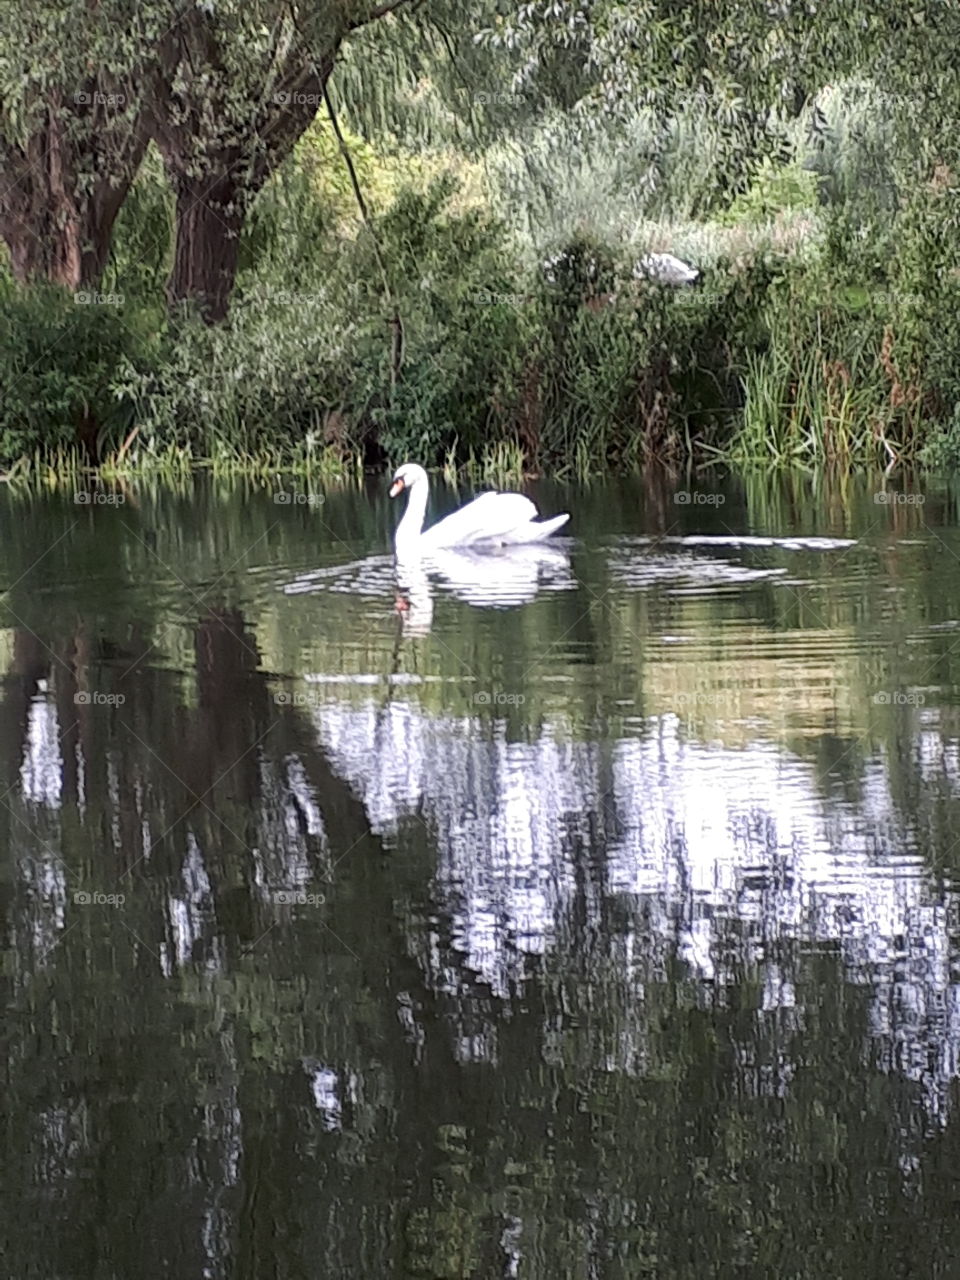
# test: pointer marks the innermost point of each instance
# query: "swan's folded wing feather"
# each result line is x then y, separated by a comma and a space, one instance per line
535, 530
491, 516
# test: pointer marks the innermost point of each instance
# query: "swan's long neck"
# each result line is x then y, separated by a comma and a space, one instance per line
410, 527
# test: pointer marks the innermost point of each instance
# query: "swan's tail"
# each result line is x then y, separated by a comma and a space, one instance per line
535, 530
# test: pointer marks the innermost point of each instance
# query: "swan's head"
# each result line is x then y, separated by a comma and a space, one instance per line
406, 477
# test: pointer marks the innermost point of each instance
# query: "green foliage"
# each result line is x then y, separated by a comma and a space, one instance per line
267, 381
820, 214
774, 189
942, 450
141, 249
297, 368
570, 363
833, 382
309, 207
58, 357
925, 282
851, 137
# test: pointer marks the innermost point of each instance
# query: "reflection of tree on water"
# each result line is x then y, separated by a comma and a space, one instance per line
678, 828
228, 803
494, 1027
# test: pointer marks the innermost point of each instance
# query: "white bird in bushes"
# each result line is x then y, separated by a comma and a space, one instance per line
664, 268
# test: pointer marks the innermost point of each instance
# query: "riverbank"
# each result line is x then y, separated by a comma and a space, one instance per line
486, 321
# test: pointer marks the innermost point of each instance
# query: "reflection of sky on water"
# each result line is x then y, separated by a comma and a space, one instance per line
697, 838
41, 770
700, 837
41, 867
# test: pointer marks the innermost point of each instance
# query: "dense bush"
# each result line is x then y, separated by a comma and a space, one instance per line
319, 362
824, 326
59, 355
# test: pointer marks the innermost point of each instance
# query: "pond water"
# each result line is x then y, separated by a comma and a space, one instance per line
590, 913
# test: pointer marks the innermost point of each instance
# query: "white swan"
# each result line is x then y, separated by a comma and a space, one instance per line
493, 519
666, 269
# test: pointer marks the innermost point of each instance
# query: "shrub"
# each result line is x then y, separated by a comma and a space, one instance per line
59, 353
774, 189
442, 331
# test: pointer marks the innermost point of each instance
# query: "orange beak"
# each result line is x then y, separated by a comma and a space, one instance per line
395, 488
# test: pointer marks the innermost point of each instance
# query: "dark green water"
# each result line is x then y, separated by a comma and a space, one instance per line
589, 917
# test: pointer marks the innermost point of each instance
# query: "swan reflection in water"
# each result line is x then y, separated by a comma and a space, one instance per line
499, 578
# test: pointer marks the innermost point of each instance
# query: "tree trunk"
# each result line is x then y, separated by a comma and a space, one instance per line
48, 239
217, 163
43, 240
209, 222
60, 199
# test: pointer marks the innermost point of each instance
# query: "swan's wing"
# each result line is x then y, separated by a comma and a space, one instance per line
492, 515
535, 530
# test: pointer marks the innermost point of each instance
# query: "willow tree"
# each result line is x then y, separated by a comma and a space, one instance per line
585, 72
226, 87
77, 81
249, 80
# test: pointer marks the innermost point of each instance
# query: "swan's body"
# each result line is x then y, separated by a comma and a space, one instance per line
493, 519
